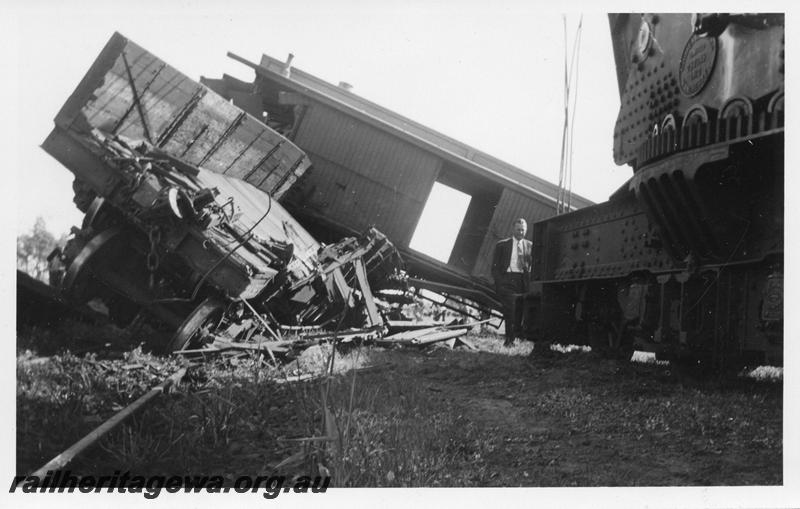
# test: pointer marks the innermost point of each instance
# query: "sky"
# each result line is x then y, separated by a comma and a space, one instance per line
488, 74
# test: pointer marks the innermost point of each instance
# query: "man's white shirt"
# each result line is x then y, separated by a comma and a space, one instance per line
517, 253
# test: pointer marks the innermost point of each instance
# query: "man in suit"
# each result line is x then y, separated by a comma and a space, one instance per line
511, 266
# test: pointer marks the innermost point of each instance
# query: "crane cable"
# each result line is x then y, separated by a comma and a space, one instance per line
576, 68
559, 199
564, 197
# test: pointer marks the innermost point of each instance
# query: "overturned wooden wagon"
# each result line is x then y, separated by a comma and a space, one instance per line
180, 190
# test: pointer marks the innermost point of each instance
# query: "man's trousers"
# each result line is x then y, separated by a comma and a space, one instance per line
510, 288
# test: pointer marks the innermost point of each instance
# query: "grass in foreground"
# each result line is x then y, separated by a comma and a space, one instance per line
440, 418
63, 397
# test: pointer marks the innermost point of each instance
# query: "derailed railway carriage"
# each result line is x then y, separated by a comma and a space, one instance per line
686, 259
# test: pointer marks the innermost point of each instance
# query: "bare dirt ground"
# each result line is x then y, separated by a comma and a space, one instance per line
436, 417
576, 420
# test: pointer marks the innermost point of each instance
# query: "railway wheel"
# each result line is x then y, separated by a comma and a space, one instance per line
200, 322
100, 216
78, 274
624, 350
599, 339
611, 340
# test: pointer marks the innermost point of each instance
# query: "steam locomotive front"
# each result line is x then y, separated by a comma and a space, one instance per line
686, 260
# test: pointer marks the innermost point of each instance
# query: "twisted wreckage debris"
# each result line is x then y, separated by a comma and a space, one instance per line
183, 226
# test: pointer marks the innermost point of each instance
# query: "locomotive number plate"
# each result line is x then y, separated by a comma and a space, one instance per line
697, 62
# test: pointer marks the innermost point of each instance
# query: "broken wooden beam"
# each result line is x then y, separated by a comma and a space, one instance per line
411, 334
373, 316
258, 347
63, 459
407, 325
423, 336
438, 336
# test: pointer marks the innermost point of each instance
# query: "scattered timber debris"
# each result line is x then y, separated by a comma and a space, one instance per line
412, 335
223, 342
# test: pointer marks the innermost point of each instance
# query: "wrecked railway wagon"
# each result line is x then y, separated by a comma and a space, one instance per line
180, 190
372, 166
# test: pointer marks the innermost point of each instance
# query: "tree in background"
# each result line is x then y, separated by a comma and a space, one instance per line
33, 248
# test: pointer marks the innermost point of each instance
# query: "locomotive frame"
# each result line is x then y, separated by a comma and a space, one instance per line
686, 259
